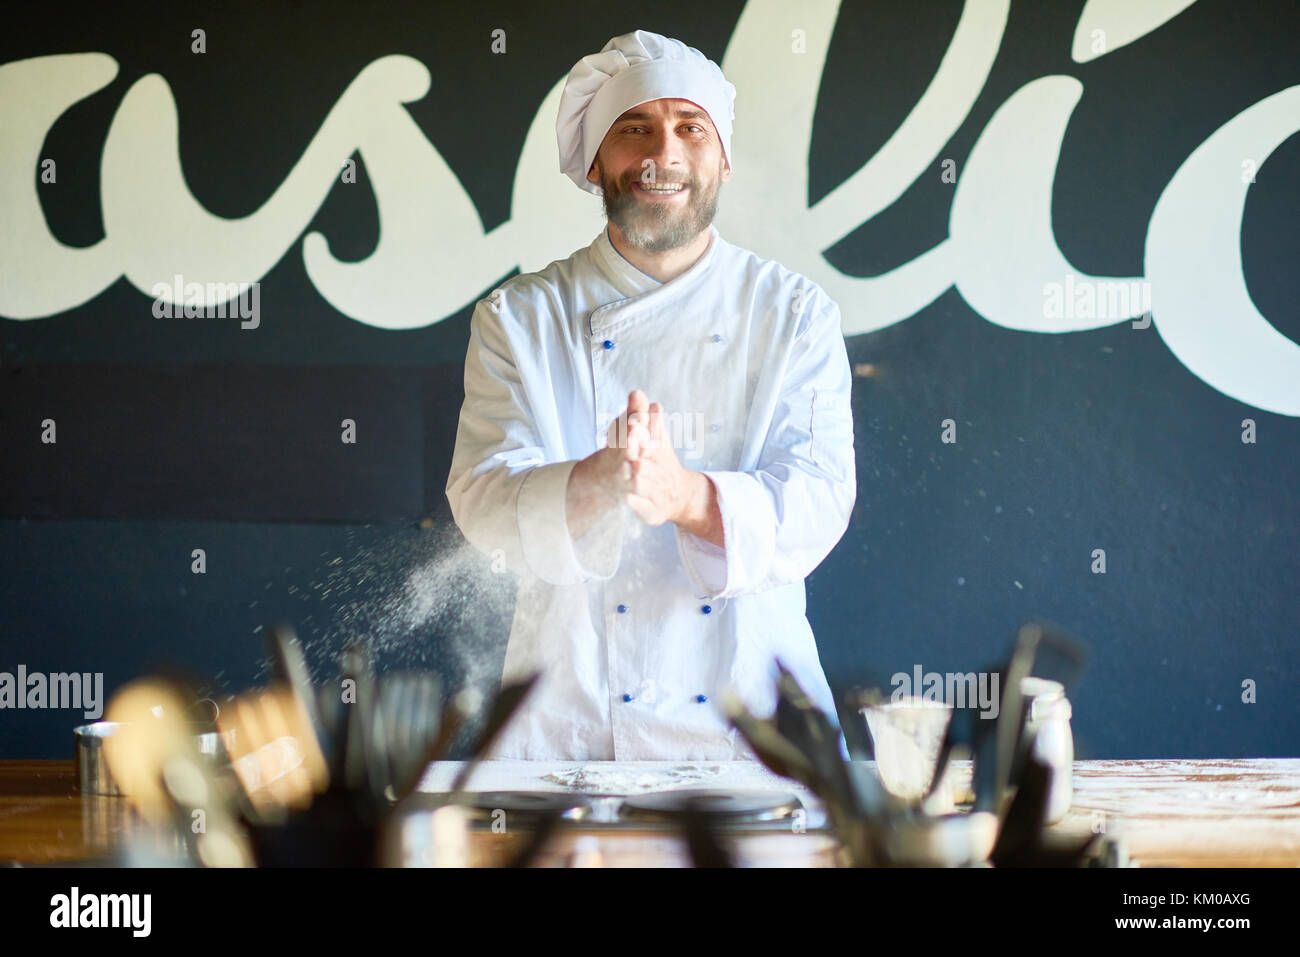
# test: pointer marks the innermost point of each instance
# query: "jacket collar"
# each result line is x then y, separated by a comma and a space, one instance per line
643, 293
628, 279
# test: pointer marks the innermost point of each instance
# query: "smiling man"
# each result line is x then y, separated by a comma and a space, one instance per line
656, 437
661, 216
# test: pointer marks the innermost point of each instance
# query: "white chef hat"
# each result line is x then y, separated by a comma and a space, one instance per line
630, 70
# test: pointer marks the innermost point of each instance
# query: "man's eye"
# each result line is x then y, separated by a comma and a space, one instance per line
640, 129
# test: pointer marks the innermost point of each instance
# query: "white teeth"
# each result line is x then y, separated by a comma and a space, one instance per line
662, 187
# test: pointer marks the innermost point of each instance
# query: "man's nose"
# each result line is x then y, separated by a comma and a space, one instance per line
665, 151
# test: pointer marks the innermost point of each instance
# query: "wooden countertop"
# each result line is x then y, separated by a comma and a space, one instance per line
1205, 813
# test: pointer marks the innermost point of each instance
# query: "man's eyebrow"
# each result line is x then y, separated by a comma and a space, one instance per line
682, 114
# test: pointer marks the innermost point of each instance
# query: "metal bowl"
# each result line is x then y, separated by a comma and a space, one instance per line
93, 775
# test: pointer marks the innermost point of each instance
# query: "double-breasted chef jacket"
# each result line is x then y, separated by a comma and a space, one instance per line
639, 629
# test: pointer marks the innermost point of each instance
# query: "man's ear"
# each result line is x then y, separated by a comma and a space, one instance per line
592, 175
726, 168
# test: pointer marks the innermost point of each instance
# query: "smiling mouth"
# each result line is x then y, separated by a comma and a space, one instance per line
660, 189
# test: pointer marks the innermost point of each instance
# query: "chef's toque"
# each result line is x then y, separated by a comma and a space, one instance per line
630, 70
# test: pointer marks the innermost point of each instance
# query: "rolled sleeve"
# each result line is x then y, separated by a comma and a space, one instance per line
748, 535
548, 548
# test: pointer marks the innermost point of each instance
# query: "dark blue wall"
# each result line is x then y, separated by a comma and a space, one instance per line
183, 435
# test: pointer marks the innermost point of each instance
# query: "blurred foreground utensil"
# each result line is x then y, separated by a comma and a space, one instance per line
810, 730
275, 754
1009, 782
385, 728
703, 839
410, 716
1023, 841
153, 755
999, 746
857, 805
291, 668
504, 706
454, 713
355, 692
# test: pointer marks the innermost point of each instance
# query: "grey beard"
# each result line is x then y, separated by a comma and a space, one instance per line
655, 229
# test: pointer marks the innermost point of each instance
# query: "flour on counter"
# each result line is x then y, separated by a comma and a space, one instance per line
593, 779
608, 777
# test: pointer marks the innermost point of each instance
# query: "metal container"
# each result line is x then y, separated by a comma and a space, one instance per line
1048, 721
93, 775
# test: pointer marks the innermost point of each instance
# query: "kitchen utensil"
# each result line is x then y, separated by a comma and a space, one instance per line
291, 668
811, 731
307, 812
275, 755
997, 746
365, 769
702, 840
151, 753
409, 705
1023, 841
507, 702
856, 816
768, 744
449, 724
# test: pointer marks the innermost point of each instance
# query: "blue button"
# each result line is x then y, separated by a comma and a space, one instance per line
627, 697
622, 609
609, 343
706, 608
717, 337
701, 698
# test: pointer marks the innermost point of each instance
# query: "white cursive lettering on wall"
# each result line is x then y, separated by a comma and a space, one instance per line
433, 255
1193, 257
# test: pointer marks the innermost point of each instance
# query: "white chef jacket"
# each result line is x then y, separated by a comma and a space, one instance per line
639, 629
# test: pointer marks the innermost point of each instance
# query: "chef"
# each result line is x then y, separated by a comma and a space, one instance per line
656, 437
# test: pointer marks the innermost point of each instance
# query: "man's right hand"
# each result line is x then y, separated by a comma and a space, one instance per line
599, 482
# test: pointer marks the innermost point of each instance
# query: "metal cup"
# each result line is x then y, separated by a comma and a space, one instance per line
93, 774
